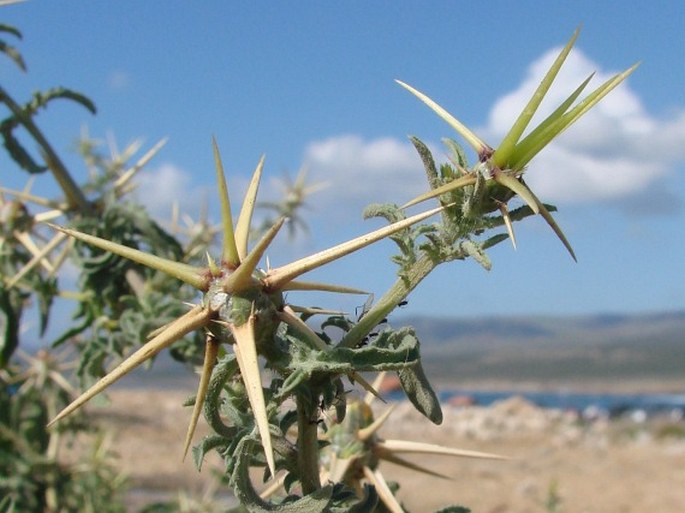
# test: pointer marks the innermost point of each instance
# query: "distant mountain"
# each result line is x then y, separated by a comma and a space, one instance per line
544, 350
647, 346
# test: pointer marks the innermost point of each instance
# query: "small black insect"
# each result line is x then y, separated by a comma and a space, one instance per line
364, 308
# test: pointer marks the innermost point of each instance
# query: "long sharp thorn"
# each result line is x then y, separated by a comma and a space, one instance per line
425, 448
246, 353
520, 189
275, 486
504, 150
596, 96
557, 230
325, 287
282, 275
184, 272
525, 143
357, 378
242, 227
230, 251
507, 223
338, 468
190, 321
547, 216
393, 458
211, 351
463, 181
383, 490
365, 433
242, 276
316, 311
42, 217
376, 385
127, 176
214, 269
555, 128
61, 257
476, 142
38, 200
39, 255
289, 317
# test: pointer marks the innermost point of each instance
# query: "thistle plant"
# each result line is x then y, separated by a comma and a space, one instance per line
356, 450
34, 474
242, 305
275, 387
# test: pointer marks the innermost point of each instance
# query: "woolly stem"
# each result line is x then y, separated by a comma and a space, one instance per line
393, 297
307, 444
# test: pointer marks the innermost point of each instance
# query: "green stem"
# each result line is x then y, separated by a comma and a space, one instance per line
307, 445
51, 453
393, 297
72, 191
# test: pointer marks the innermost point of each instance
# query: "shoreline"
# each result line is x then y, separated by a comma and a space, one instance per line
635, 386
151, 380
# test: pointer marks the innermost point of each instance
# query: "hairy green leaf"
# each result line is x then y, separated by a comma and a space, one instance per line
419, 391
316, 502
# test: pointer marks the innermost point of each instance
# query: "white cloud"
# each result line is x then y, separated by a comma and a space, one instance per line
617, 150
158, 188
118, 80
360, 172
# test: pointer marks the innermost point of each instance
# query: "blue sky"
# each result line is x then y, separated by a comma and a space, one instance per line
312, 84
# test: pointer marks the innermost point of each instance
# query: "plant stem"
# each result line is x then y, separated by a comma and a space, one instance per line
307, 444
393, 297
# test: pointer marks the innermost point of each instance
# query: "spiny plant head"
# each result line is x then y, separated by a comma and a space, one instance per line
355, 451
502, 168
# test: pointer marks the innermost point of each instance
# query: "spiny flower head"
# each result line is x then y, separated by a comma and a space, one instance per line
502, 168
356, 449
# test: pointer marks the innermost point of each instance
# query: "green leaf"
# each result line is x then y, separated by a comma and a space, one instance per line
41, 99
475, 251
419, 391
391, 350
207, 444
226, 367
428, 162
458, 155
342, 497
10, 51
316, 502
10, 29
13, 54
10, 313
495, 239
7, 505
17, 151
